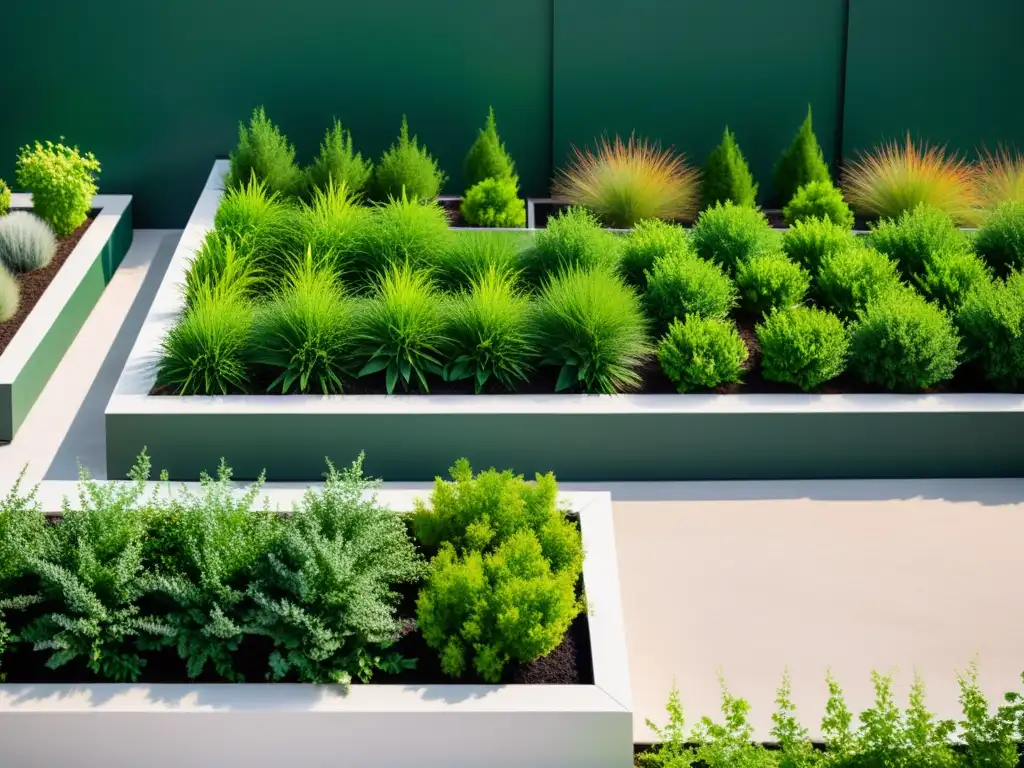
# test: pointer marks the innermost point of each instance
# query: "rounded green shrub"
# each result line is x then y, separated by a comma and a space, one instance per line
488, 158
407, 169
769, 280
702, 353
473, 254
804, 346
810, 241
62, 181
915, 235
5, 198
261, 225
649, 241
682, 284
405, 229
265, 154
729, 234
591, 326
333, 225
801, 163
26, 242
849, 278
494, 202
726, 176
948, 276
991, 319
818, 200
10, 295
1000, 240
221, 266
339, 164
574, 238
902, 342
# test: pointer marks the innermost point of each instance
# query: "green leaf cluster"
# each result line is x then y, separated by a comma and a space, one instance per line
805, 346
62, 181
494, 202
702, 353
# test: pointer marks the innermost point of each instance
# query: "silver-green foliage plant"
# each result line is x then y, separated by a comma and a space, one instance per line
681, 284
727, 176
473, 254
488, 158
1000, 240
769, 280
405, 230
991, 319
265, 154
948, 276
22, 537
702, 353
10, 295
5, 198
502, 587
820, 200
26, 242
406, 168
62, 181
494, 202
649, 241
333, 225
915, 235
338, 163
325, 595
805, 346
729, 234
800, 163
574, 238
849, 278
810, 241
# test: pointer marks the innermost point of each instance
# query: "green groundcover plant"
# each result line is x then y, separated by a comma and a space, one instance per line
916, 235
62, 181
804, 346
991, 319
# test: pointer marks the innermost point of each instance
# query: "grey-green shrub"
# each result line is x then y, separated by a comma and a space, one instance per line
948, 276
915, 235
406, 169
805, 346
702, 353
334, 226
819, 200
800, 163
991, 319
1000, 240
682, 284
494, 202
339, 164
902, 342
26, 242
405, 230
649, 241
574, 238
62, 181
473, 254
10, 295
488, 158
726, 176
728, 234
810, 241
769, 280
264, 153
849, 278
5, 198
591, 326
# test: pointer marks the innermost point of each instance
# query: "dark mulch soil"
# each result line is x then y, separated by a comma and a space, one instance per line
453, 209
34, 284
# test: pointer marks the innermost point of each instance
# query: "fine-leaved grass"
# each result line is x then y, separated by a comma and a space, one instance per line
405, 229
649, 241
261, 224
1001, 177
473, 254
333, 226
574, 238
221, 265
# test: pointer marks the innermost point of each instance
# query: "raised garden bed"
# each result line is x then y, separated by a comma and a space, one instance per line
56, 302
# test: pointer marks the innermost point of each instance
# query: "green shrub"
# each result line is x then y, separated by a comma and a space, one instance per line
339, 164
702, 353
574, 238
810, 241
402, 330
502, 586
802, 162
304, 335
22, 538
805, 346
727, 176
495, 203
5, 198
334, 226
1000, 240
260, 225
902, 342
220, 265
915, 235
405, 230
10, 295
849, 278
264, 153
473, 254
683, 284
26, 242
729, 234
407, 169
948, 276
592, 326
62, 182
819, 200
990, 740
325, 595
769, 280
991, 319
488, 158
490, 329
206, 352
649, 241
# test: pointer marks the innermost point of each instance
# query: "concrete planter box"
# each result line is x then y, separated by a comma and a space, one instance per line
579, 437
44, 337
390, 726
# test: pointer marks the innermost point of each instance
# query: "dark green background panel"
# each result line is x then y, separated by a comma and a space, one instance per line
679, 71
948, 71
156, 89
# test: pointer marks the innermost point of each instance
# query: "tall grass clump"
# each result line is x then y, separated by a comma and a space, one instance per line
810, 241
802, 162
264, 153
333, 225
1000, 240
649, 241
991, 319
220, 265
592, 327
727, 176
259, 223
899, 176
10, 295
26, 242
624, 182
339, 164
473, 254
405, 229
574, 238
729, 234
1001, 177
406, 169
488, 158
916, 235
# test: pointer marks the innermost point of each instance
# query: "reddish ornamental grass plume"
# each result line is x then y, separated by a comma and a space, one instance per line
625, 182
1001, 177
898, 176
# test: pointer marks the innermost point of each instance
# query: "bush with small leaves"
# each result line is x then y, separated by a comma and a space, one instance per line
810, 241
702, 353
62, 181
915, 235
261, 225
682, 284
991, 319
23, 533
727, 176
339, 164
26, 242
849, 278
591, 326
729, 234
406, 169
405, 230
333, 225
494, 203
802, 162
488, 158
948, 276
819, 200
574, 238
264, 153
473, 254
805, 346
649, 241
5, 198
902, 342
1000, 240
769, 280
989, 738
10, 295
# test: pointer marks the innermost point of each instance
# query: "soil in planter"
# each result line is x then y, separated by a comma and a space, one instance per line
34, 284
454, 211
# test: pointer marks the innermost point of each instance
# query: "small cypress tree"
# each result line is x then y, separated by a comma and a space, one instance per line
800, 163
488, 158
727, 176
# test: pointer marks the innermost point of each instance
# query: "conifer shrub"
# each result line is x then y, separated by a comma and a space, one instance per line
649, 241
502, 587
494, 202
769, 280
915, 235
473, 254
801, 163
10, 295
260, 224
702, 353
726, 176
682, 284
338, 164
573, 238
404, 230
948, 276
810, 241
5, 198
62, 181
487, 157
406, 169
991, 319
819, 200
26, 242
1000, 240
265, 154
804, 346
729, 234
592, 327
333, 225
849, 278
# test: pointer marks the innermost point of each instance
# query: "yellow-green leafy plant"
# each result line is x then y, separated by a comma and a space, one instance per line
62, 181
26, 242
769, 281
948, 276
473, 254
899, 176
10, 295
991, 319
264, 153
1001, 177
5, 198
407, 169
702, 353
649, 241
821, 200
339, 164
805, 346
727, 176
573, 238
1000, 240
494, 202
850, 277
915, 235
729, 234
220, 265
802, 162
625, 182
810, 241
488, 158
333, 225
681, 284
261, 226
